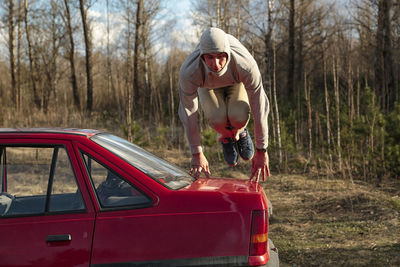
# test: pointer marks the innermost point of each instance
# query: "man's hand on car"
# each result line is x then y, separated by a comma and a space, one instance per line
198, 165
259, 166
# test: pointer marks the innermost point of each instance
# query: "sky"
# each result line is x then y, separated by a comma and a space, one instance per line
182, 34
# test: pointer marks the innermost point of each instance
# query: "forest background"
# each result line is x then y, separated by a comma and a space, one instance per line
330, 69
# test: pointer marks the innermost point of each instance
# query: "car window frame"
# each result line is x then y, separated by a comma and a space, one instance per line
79, 148
46, 143
97, 137
3, 171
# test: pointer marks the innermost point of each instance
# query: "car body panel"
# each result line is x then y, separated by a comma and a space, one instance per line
183, 210
23, 239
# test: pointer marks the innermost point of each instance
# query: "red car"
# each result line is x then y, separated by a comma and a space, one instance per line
74, 197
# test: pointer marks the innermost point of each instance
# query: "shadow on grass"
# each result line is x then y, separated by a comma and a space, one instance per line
387, 255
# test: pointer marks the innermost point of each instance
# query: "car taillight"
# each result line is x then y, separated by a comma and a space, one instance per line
259, 233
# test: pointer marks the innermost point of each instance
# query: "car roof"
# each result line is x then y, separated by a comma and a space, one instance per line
37, 131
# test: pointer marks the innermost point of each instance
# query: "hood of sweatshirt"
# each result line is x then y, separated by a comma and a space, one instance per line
215, 40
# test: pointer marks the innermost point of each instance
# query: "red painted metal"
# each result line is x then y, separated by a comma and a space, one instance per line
210, 218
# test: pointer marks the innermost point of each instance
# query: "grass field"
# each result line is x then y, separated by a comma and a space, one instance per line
319, 222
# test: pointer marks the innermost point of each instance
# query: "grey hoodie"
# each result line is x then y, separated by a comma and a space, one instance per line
240, 67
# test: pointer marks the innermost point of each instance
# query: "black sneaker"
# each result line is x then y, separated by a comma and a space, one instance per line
245, 145
230, 151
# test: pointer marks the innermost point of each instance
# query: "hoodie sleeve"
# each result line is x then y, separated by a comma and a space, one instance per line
188, 112
248, 73
259, 103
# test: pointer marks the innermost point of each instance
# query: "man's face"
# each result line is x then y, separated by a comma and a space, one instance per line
215, 61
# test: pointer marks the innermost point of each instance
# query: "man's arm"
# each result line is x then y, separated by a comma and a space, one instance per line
188, 113
248, 73
259, 105
260, 108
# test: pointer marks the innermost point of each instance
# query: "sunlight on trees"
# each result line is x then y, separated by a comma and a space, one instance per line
330, 68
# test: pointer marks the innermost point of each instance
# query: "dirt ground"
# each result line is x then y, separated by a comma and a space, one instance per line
326, 222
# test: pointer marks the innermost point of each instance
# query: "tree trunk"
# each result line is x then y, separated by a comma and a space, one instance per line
138, 24
51, 64
11, 40
239, 19
291, 52
269, 54
307, 96
71, 57
88, 55
350, 105
171, 98
128, 78
110, 81
358, 93
391, 85
384, 72
32, 62
278, 128
19, 66
219, 20
155, 99
327, 108
337, 99
209, 8
299, 59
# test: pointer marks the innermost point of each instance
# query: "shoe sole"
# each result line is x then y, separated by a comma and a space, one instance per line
247, 159
233, 165
247, 134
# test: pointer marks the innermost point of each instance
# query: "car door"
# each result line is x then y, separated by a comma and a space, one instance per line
123, 205
46, 215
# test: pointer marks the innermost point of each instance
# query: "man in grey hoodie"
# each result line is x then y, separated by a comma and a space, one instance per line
224, 77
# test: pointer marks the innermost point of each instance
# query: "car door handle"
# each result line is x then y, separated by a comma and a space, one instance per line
58, 238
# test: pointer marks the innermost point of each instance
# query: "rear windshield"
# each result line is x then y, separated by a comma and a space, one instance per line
160, 170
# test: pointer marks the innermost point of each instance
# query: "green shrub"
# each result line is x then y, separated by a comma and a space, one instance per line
392, 151
137, 132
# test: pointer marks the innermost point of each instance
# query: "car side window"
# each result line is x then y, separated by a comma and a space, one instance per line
112, 190
37, 180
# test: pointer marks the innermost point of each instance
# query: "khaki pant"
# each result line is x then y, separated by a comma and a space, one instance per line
227, 109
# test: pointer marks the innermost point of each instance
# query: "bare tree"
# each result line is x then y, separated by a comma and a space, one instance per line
111, 88
49, 56
224, 14
384, 74
336, 83
88, 54
278, 127
307, 96
291, 51
327, 110
128, 90
136, 45
32, 59
149, 11
71, 55
11, 40
19, 48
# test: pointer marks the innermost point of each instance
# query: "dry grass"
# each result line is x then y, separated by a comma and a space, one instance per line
55, 117
28, 171
319, 222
